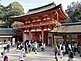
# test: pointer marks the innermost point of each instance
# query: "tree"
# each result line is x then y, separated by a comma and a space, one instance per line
2, 12
74, 11
13, 9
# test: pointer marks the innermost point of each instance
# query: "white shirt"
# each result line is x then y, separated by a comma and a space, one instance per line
64, 48
21, 54
69, 45
35, 45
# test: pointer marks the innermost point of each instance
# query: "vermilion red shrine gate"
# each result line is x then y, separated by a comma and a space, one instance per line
39, 21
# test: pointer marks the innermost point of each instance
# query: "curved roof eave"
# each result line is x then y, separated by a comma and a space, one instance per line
31, 12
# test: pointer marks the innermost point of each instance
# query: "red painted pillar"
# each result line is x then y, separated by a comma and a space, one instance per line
22, 36
30, 36
65, 37
42, 36
52, 40
47, 38
79, 38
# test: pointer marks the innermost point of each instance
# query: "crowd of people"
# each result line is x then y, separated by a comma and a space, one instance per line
24, 47
66, 48
29, 46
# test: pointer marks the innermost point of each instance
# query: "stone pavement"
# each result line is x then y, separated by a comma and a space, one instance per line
48, 55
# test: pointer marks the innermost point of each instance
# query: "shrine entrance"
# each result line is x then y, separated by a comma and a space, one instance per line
41, 20
37, 36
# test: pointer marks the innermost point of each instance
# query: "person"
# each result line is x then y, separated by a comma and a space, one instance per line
69, 46
6, 58
75, 48
70, 55
29, 46
64, 49
58, 49
21, 56
61, 50
55, 52
8, 46
79, 48
43, 47
4, 54
35, 47
18, 43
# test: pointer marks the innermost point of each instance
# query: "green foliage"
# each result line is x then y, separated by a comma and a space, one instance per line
2, 12
74, 11
7, 24
13, 9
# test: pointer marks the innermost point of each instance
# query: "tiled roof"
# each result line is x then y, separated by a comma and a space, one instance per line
7, 31
68, 29
7, 28
73, 23
41, 9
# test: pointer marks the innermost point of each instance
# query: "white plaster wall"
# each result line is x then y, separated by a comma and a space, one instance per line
26, 37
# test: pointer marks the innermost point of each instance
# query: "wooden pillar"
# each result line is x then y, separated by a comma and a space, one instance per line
52, 40
22, 36
42, 36
65, 37
79, 38
30, 35
47, 38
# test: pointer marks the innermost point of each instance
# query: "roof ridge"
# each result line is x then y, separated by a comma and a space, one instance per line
42, 6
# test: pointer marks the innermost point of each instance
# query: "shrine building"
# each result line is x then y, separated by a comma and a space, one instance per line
39, 23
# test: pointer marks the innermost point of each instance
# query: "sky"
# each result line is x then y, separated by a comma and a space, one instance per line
30, 4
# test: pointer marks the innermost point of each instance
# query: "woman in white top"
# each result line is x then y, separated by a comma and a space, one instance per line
21, 54
61, 51
64, 50
4, 53
35, 47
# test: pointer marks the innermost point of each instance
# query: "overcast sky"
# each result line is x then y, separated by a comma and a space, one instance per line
28, 4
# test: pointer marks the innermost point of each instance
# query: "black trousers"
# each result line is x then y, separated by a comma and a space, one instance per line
21, 60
